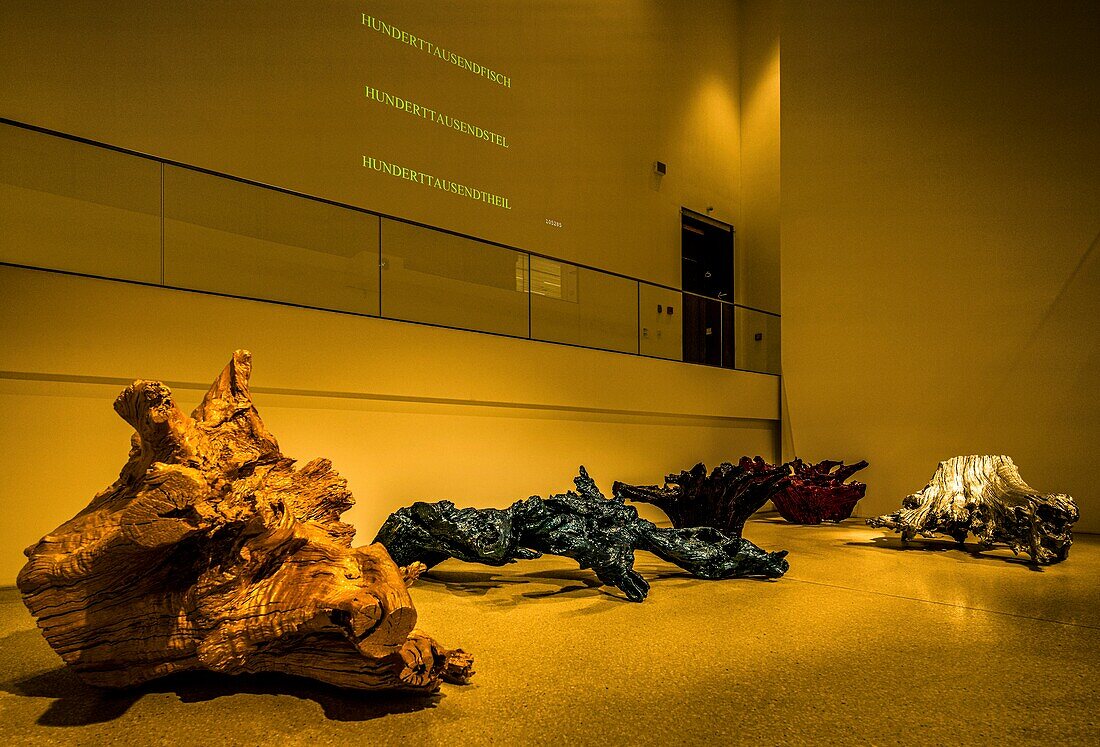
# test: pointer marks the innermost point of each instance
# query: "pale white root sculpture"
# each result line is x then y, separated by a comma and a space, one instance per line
212, 551
985, 496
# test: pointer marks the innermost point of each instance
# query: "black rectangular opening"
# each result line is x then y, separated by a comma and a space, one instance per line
706, 256
707, 278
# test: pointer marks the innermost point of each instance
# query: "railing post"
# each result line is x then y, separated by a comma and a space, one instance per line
162, 219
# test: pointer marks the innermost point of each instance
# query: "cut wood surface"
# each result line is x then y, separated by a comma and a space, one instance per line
213, 551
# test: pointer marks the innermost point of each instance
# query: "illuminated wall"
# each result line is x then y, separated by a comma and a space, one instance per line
941, 285
288, 93
758, 232
406, 412
276, 92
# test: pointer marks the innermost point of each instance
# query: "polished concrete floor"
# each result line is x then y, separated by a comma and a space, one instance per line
862, 642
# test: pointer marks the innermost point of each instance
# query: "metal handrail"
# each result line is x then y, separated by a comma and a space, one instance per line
638, 282
356, 208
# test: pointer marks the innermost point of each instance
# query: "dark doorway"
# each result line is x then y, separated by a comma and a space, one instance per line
702, 330
707, 278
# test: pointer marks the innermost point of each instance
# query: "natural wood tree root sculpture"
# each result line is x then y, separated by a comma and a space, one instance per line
986, 496
211, 551
814, 493
724, 499
597, 532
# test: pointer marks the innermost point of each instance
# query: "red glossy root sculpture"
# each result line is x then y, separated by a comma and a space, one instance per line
814, 493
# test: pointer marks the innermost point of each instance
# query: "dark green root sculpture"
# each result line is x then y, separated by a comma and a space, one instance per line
599, 533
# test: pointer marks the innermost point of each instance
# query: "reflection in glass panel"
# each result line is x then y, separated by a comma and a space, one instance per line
228, 237
661, 312
758, 341
438, 278
552, 279
69, 206
583, 307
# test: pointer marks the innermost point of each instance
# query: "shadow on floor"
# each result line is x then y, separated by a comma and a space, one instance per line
474, 583
575, 583
652, 574
850, 522
571, 583
78, 704
74, 703
580, 582
968, 551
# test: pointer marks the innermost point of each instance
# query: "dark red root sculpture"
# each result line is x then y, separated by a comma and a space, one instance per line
724, 499
814, 493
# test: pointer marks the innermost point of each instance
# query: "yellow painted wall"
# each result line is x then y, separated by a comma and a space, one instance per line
275, 91
405, 411
940, 213
758, 232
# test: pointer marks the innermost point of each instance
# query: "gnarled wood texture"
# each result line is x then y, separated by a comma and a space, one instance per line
724, 499
599, 533
986, 496
212, 551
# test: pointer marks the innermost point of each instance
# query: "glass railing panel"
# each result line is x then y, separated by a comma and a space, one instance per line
661, 321
757, 345
69, 206
437, 278
579, 306
228, 237
79, 207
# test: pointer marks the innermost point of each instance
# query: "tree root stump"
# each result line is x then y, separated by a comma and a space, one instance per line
212, 551
985, 496
816, 493
724, 499
599, 533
